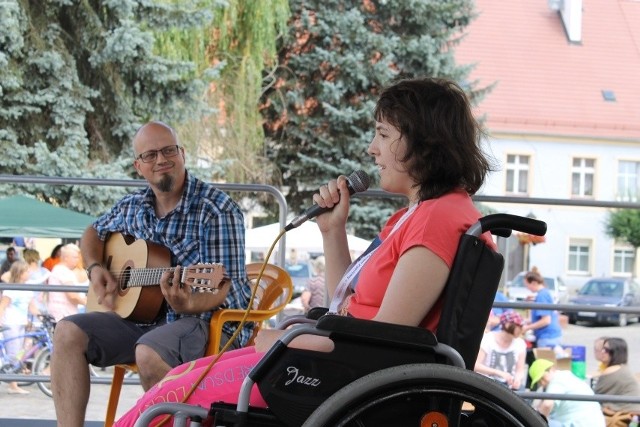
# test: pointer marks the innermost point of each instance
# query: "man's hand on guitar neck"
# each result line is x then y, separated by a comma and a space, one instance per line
183, 300
104, 286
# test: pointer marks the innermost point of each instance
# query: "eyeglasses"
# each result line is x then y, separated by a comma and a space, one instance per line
152, 155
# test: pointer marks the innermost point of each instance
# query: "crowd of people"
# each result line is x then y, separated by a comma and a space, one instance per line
19, 308
613, 377
502, 357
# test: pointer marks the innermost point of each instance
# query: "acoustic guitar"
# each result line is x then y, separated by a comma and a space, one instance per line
137, 266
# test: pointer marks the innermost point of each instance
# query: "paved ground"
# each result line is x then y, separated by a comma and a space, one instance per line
37, 405
24, 410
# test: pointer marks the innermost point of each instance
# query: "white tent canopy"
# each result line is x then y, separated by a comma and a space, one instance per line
305, 238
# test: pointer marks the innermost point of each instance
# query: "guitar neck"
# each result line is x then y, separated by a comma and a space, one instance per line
141, 277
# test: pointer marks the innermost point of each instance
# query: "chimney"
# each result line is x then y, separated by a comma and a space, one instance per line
571, 14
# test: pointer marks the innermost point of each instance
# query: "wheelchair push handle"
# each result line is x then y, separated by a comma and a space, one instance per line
502, 224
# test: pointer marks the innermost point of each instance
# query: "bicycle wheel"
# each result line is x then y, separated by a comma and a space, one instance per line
41, 367
414, 395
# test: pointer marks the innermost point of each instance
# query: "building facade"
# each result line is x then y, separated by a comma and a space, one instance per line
563, 116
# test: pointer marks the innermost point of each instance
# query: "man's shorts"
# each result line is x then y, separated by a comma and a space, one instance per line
112, 340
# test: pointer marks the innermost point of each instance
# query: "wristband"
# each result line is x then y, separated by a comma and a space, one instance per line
91, 267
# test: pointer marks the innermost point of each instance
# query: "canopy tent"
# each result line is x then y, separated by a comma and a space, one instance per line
305, 238
24, 216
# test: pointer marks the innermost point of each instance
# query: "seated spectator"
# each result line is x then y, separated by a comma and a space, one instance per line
493, 324
564, 413
502, 353
617, 378
598, 355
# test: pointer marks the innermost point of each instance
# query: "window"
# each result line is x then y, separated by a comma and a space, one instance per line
582, 173
622, 260
628, 181
517, 174
579, 254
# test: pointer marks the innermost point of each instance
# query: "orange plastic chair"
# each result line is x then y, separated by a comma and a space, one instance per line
273, 294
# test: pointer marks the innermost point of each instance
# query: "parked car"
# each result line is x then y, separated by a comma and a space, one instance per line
516, 290
606, 292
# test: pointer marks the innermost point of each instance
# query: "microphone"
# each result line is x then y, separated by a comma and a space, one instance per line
357, 182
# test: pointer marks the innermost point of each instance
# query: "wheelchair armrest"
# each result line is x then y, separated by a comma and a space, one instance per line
377, 332
294, 320
311, 317
316, 313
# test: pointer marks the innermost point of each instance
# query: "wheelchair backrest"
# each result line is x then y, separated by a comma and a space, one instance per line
468, 297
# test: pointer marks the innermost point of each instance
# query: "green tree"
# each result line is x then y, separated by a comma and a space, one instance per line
624, 225
335, 58
240, 42
77, 79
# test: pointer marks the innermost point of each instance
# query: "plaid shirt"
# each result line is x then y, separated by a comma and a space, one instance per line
206, 226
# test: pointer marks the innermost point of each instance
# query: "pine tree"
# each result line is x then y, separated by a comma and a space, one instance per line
77, 79
337, 56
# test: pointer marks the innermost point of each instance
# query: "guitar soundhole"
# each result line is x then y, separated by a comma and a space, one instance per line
123, 281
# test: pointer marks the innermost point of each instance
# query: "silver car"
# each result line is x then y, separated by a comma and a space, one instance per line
516, 289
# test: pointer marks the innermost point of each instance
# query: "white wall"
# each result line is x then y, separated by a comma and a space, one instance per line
550, 177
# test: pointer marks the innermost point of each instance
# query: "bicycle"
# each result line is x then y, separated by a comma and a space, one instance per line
36, 358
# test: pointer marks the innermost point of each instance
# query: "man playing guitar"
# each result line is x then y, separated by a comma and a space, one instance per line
179, 232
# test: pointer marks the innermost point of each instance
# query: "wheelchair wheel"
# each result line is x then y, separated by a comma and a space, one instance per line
419, 395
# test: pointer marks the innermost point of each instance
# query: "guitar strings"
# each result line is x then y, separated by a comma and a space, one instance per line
140, 277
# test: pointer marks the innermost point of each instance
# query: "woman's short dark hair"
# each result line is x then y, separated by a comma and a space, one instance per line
617, 349
443, 137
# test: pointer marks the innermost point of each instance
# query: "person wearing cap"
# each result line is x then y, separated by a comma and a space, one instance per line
493, 324
564, 413
502, 353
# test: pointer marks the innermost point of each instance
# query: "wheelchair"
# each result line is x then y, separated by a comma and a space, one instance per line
381, 374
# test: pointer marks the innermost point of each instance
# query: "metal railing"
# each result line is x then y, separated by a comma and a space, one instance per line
513, 305
282, 202
283, 212
25, 179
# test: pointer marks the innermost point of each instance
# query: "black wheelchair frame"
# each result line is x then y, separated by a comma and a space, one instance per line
386, 374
